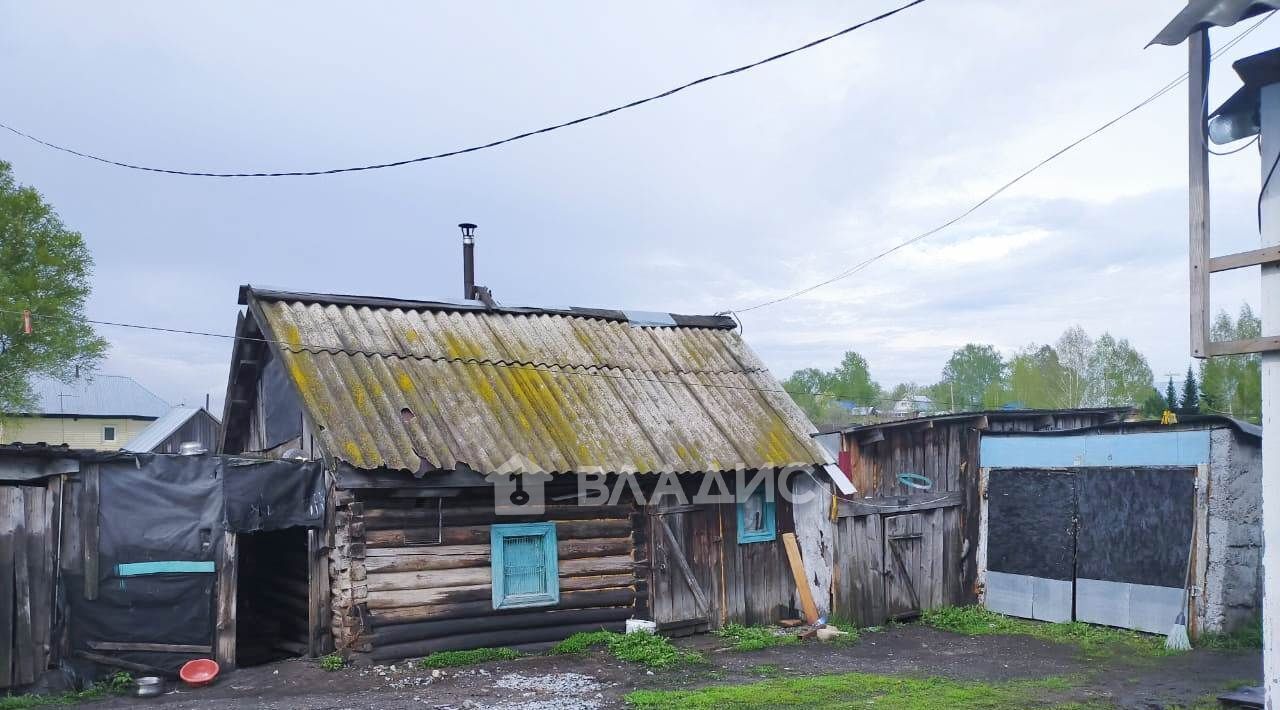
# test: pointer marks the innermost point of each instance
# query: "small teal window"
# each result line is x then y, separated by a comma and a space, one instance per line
757, 519
525, 565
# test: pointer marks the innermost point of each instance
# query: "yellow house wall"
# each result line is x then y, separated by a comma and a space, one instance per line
77, 433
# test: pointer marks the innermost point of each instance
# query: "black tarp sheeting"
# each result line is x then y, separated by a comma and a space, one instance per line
272, 495
282, 411
161, 512
1031, 523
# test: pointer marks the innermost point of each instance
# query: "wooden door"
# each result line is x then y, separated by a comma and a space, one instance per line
906, 566
686, 545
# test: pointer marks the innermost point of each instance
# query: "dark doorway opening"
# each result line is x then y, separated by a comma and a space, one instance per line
271, 596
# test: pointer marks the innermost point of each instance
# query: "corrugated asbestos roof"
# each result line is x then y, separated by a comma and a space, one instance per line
96, 396
161, 429
425, 385
1203, 14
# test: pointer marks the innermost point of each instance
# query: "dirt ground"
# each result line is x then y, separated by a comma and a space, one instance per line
597, 680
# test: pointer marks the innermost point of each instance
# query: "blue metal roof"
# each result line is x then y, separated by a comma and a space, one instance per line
96, 396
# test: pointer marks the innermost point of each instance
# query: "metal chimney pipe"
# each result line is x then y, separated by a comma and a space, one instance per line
468, 260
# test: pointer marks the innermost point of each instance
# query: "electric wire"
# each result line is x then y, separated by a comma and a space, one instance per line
579, 369
998, 191
475, 148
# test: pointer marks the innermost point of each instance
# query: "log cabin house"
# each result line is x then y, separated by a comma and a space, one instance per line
457, 437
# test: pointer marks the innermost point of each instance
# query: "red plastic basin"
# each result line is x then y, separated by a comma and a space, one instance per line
199, 672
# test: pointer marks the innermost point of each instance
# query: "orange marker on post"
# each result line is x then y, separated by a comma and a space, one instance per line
26, 321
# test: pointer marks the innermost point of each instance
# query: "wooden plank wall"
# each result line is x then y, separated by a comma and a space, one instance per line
944, 452
28, 558
405, 585
947, 452
759, 588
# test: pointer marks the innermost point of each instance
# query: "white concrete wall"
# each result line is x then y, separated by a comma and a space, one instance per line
1233, 580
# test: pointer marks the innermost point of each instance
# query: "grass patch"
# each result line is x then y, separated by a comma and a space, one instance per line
1093, 641
117, 684
855, 690
647, 649
1246, 637
449, 659
332, 662
767, 670
753, 638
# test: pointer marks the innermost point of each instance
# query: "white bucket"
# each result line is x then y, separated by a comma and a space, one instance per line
635, 626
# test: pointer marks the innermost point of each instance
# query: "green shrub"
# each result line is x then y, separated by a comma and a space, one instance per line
648, 649
447, 659
753, 638
1245, 637
332, 662
117, 684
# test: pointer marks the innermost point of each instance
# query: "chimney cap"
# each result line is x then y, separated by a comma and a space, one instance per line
468, 229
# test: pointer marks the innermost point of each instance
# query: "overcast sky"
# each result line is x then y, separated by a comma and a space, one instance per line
720, 197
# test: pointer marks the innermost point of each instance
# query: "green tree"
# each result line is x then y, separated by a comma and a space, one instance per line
1232, 384
1190, 394
44, 268
849, 381
1075, 353
1170, 397
1035, 378
1154, 405
971, 373
1119, 375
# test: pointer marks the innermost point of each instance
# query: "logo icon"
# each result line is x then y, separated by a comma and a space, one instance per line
518, 489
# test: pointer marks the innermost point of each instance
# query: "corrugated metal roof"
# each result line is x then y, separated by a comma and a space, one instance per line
96, 396
161, 429
1203, 14
555, 392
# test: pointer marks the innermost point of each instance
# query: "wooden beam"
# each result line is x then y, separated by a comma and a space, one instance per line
802, 582
871, 437
1198, 181
228, 580
899, 504
89, 530
1255, 257
981, 423
149, 647
1242, 347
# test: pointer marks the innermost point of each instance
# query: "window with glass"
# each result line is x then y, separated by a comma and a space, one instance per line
525, 562
757, 518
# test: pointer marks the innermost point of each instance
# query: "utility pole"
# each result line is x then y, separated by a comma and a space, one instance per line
1253, 110
1269, 214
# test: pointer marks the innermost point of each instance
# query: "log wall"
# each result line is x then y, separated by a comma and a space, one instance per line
411, 575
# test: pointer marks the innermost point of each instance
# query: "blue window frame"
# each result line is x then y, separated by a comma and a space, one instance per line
757, 519
525, 563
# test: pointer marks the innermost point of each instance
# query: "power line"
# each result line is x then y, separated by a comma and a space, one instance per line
472, 149
580, 369
998, 191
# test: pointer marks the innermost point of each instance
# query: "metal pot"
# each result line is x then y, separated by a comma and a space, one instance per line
148, 686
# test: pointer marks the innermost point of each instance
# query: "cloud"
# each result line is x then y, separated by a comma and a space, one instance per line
722, 196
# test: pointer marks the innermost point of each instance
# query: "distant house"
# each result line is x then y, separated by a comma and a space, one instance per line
178, 426
101, 412
912, 405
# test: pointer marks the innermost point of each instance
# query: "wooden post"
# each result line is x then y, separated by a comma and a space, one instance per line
89, 529
797, 572
228, 578
1198, 182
